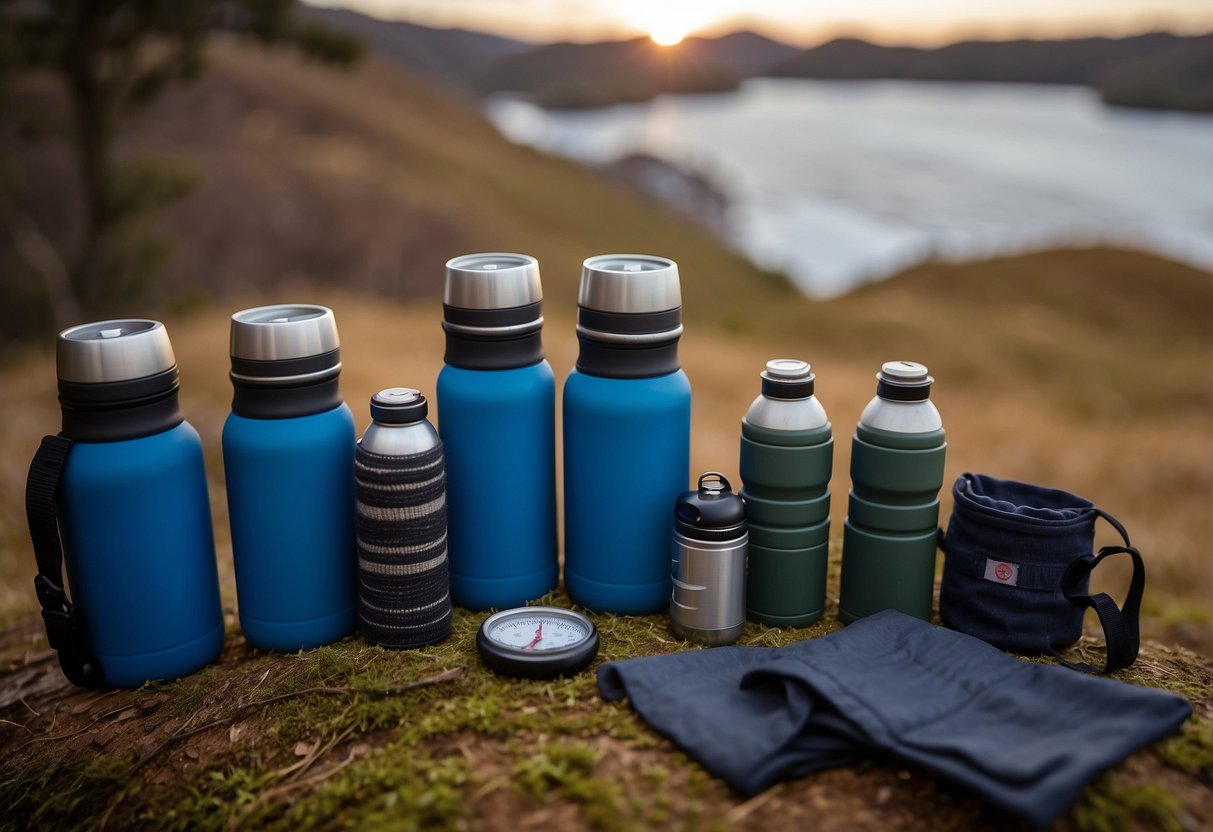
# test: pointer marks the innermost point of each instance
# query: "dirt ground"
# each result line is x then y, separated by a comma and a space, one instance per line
353, 735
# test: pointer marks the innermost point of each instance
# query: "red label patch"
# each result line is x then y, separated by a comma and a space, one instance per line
1001, 572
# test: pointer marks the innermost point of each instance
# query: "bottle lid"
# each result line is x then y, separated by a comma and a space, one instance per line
791, 369
492, 280
399, 406
903, 381
712, 511
629, 283
116, 350
787, 378
283, 331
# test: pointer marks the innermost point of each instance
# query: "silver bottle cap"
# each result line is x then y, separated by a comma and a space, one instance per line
399, 406
910, 372
903, 381
492, 280
629, 283
117, 350
283, 331
786, 369
397, 396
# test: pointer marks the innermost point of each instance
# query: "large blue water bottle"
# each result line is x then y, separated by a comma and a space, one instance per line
497, 420
288, 455
627, 427
123, 489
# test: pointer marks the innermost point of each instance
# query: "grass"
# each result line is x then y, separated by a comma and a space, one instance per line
477, 749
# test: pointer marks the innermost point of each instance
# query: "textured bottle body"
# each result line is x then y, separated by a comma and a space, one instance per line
786, 476
290, 487
891, 529
140, 554
498, 432
626, 460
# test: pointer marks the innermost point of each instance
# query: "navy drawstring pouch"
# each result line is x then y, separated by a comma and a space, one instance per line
1017, 564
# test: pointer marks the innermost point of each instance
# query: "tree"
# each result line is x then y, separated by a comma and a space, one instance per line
114, 58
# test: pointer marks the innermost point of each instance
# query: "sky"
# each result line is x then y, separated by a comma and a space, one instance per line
801, 22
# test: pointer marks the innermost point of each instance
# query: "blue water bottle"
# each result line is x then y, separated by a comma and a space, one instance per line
120, 497
288, 455
627, 428
497, 420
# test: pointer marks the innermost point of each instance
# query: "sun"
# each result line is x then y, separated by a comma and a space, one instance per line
667, 36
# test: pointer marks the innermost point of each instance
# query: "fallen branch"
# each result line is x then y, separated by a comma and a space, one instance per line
436, 679
48, 738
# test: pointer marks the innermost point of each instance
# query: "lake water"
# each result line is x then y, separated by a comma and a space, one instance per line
840, 182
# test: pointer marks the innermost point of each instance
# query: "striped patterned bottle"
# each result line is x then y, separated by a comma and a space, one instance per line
404, 598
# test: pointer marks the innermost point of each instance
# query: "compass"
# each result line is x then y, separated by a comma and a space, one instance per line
537, 642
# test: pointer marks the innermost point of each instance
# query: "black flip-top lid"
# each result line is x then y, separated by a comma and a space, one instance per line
399, 406
712, 511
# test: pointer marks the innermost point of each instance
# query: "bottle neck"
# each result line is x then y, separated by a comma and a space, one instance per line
493, 339
119, 410
628, 345
286, 388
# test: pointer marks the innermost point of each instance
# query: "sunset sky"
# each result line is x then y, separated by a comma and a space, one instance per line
804, 22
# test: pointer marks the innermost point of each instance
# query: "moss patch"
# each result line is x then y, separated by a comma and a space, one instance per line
478, 748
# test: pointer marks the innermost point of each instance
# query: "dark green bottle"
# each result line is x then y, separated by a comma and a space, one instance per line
787, 453
892, 525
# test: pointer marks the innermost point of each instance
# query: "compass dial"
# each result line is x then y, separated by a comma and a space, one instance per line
537, 642
538, 632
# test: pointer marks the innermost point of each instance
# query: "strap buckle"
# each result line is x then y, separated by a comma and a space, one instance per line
51, 595
64, 627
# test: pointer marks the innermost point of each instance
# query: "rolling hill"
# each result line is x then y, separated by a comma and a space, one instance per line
454, 55
595, 74
1151, 70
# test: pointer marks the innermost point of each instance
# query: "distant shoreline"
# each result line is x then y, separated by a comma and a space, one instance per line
1157, 70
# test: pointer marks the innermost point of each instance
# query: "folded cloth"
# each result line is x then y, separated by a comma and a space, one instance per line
1025, 736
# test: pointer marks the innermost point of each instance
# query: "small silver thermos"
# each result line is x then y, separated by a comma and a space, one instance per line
708, 567
404, 598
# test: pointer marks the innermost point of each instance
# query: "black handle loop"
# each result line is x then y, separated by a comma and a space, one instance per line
714, 475
65, 630
1121, 631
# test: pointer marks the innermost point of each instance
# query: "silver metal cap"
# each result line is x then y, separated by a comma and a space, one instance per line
287, 330
786, 369
118, 350
903, 372
629, 283
492, 280
396, 396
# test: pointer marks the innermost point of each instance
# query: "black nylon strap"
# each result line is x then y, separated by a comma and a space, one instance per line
1120, 625
65, 630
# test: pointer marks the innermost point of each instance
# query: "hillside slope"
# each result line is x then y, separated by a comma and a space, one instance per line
370, 179
455, 55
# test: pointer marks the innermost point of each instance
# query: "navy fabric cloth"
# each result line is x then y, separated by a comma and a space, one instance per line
1025, 736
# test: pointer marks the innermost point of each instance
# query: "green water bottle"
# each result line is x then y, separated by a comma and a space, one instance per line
787, 453
892, 524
